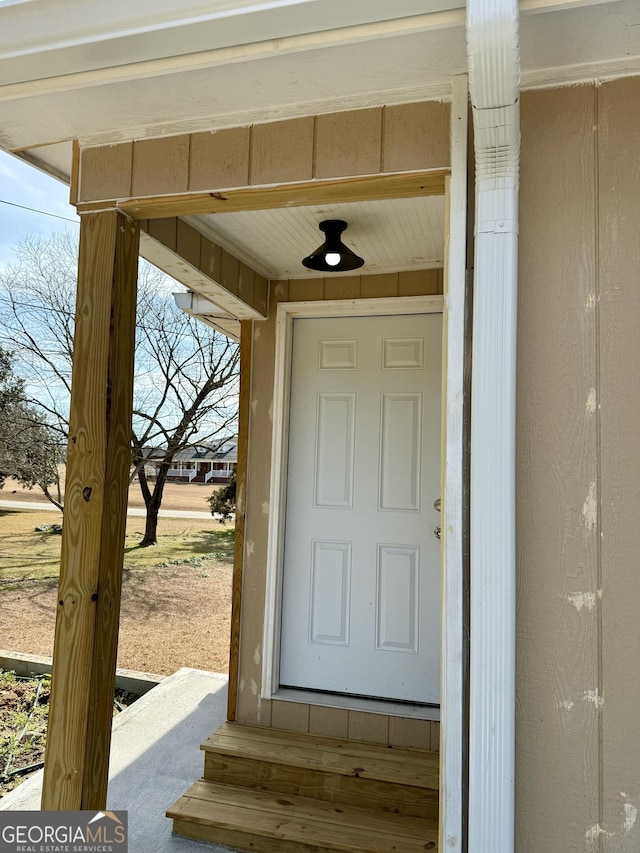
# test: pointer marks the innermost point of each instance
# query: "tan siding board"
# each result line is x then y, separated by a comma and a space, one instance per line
160, 165
265, 712
416, 136
261, 293
282, 151
292, 716
409, 733
219, 160
165, 231
403, 138
329, 722
435, 736
105, 172
306, 289
342, 287
373, 728
619, 399
348, 143
230, 272
379, 286
188, 243
246, 278
210, 259
420, 283
557, 642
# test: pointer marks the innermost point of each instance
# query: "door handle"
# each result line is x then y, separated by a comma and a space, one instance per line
438, 532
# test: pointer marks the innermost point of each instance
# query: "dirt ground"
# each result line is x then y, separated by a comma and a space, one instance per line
171, 617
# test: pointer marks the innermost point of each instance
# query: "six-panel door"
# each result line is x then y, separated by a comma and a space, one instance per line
361, 586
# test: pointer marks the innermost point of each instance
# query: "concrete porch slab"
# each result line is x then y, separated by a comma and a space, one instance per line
155, 757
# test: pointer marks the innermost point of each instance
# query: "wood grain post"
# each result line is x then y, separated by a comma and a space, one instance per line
244, 413
98, 462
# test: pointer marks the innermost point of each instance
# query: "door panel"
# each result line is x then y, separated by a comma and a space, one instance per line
361, 584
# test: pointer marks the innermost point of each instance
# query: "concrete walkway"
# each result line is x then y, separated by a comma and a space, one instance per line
45, 506
155, 757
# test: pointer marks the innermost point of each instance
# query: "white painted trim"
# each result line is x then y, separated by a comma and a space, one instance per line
287, 312
67, 67
123, 41
371, 706
452, 732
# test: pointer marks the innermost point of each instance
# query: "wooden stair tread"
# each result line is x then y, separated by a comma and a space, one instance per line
300, 820
418, 768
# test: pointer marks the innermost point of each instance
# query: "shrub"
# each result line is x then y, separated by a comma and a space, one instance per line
223, 501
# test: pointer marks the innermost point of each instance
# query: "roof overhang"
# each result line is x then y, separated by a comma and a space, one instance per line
101, 73
129, 70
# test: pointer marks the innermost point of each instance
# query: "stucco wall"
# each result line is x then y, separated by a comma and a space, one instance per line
578, 474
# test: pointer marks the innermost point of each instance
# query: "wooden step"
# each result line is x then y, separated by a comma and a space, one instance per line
401, 781
272, 823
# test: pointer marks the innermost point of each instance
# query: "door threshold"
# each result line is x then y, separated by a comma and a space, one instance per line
358, 703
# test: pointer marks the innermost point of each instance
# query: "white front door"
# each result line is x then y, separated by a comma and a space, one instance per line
361, 586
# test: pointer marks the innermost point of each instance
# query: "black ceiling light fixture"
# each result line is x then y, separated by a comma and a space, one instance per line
333, 255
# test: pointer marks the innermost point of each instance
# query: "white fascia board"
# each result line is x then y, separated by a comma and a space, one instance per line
40, 40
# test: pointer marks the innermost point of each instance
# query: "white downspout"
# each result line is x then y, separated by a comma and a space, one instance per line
494, 82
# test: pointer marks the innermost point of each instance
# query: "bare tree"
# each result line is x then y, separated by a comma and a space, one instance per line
187, 396
186, 375
11, 401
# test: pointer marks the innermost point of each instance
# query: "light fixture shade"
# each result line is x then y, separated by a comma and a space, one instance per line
333, 255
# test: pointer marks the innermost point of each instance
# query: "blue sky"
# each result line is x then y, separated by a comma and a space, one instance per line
21, 184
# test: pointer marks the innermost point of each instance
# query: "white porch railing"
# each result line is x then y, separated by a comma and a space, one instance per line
182, 472
218, 473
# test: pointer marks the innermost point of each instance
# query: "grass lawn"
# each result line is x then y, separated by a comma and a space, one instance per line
28, 555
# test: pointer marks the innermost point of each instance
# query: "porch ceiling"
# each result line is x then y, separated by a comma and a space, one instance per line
391, 235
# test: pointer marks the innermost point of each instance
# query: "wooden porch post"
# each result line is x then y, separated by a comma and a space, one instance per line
98, 463
244, 413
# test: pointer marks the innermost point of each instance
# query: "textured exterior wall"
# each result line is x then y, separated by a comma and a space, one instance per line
290, 715
578, 686
377, 141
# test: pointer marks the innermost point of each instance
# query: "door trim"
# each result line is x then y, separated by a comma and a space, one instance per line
286, 314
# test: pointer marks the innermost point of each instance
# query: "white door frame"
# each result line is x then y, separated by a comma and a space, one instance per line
287, 313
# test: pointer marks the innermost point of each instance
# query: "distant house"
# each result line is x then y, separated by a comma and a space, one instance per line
204, 463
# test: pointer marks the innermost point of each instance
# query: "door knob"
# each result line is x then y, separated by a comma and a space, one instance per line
437, 532
437, 504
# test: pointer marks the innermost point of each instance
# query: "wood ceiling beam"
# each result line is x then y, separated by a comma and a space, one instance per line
368, 188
